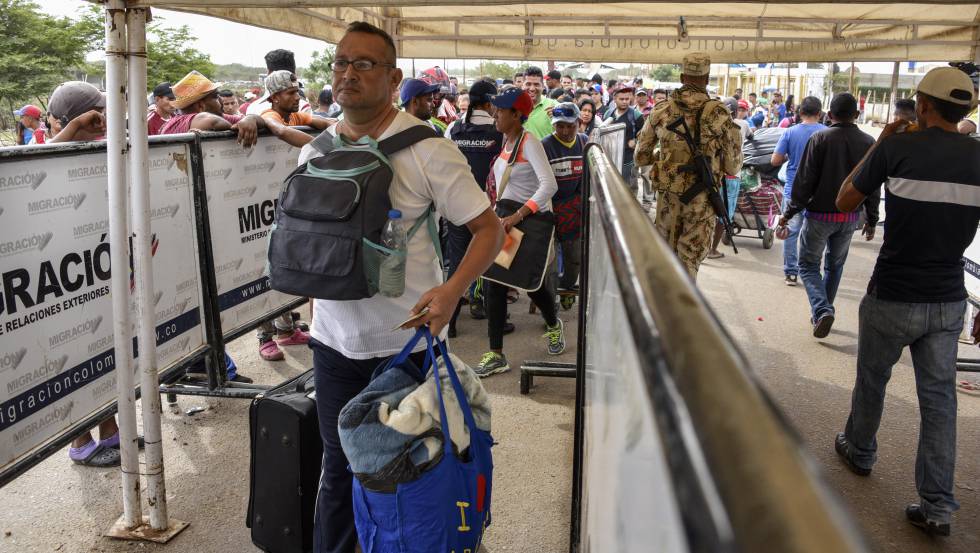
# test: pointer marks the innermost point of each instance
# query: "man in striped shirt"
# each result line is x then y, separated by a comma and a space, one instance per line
917, 296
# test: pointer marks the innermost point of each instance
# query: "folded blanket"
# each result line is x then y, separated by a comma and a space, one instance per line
395, 415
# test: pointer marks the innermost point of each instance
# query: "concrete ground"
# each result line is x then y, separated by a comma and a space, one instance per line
61, 507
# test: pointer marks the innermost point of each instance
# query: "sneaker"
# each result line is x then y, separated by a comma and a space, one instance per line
297, 338
270, 351
822, 327
477, 311
918, 519
491, 363
843, 450
556, 338
791, 280
509, 328
567, 302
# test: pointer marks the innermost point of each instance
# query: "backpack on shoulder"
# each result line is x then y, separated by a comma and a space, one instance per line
326, 239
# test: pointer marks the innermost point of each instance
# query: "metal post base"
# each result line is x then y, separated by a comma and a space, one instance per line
229, 390
144, 532
968, 365
544, 368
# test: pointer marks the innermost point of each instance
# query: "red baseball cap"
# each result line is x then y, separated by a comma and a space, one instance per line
29, 110
742, 104
516, 99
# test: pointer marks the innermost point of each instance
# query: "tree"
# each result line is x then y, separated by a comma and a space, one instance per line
168, 51
497, 70
320, 72
321, 68
237, 72
666, 73
37, 51
169, 58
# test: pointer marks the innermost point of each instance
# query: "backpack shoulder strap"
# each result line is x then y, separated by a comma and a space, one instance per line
406, 138
429, 220
324, 142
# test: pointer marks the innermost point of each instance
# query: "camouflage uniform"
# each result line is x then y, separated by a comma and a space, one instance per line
688, 228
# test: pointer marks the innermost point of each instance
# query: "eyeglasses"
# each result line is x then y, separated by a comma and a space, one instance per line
341, 66
563, 112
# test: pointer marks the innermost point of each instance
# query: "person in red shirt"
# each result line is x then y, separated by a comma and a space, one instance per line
197, 99
161, 110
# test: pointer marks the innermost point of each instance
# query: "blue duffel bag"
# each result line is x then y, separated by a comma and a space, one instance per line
446, 509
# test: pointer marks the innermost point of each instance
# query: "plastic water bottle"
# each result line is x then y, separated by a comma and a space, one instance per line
394, 237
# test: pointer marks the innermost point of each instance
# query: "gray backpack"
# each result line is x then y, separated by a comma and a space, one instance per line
326, 239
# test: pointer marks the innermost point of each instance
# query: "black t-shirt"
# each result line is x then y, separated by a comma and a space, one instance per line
932, 207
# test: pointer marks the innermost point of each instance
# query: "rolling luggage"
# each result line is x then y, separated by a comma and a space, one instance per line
285, 469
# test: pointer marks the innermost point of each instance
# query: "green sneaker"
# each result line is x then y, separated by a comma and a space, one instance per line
567, 302
491, 363
556, 338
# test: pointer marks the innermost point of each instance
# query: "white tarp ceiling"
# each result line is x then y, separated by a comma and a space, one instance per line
641, 32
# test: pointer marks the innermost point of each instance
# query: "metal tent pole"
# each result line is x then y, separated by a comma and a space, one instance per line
115, 49
156, 491
894, 93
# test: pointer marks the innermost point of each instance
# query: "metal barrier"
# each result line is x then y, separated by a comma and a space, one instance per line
664, 458
210, 208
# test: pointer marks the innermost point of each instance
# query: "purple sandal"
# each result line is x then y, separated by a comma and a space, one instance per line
94, 454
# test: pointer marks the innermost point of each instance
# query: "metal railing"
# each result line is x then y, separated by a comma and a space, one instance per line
662, 454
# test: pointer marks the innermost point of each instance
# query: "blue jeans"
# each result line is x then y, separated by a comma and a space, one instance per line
790, 254
829, 241
930, 330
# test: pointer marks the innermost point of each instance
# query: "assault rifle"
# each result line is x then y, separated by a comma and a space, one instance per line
704, 181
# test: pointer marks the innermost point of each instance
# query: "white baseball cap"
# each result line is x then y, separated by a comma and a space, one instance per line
949, 84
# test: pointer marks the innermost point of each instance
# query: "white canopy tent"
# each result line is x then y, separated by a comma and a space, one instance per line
641, 31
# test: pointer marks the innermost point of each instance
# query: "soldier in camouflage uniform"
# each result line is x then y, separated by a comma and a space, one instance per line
688, 228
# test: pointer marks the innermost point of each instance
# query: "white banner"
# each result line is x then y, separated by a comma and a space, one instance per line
243, 188
971, 270
56, 341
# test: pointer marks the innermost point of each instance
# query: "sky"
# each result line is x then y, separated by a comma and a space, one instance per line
224, 42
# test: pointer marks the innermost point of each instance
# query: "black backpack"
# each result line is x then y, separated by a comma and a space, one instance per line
326, 239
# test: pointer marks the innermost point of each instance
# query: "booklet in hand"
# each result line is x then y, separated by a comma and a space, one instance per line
512, 242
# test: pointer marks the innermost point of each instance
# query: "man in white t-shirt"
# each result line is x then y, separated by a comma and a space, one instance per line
351, 338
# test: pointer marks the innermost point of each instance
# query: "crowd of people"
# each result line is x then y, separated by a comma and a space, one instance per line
522, 140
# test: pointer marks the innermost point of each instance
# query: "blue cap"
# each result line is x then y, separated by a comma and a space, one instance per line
413, 88
394, 214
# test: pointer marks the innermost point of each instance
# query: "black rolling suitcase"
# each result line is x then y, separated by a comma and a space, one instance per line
285, 467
